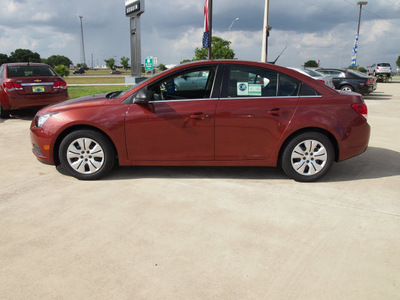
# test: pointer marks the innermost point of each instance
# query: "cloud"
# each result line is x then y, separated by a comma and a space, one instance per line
172, 29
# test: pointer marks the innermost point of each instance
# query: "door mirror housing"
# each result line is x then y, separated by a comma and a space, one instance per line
142, 96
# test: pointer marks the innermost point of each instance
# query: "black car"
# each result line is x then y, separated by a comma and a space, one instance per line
79, 71
350, 80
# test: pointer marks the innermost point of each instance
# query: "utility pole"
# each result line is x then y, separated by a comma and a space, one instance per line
83, 60
210, 7
355, 48
264, 51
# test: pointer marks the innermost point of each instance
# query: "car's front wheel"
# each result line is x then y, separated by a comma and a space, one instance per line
86, 154
308, 157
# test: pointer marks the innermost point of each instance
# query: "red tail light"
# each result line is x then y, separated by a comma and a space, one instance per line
61, 84
362, 109
12, 86
368, 82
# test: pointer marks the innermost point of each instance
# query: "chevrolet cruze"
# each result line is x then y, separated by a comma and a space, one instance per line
243, 114
29, 85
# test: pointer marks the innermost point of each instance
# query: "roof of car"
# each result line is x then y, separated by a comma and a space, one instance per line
25, 64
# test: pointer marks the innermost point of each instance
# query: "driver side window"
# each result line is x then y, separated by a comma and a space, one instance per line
191, 84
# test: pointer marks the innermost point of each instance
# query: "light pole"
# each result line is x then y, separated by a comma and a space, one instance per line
237, 19
355, 50
264, 51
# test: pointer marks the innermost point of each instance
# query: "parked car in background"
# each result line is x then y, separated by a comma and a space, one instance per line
115, 72
382, 69
317, 76
79, 71
247, 114
29, 85
350, 80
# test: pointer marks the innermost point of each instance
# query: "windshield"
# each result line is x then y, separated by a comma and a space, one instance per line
312, 73
357, 73
27, 71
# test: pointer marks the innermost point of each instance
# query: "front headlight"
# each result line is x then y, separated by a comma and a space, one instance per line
40, 120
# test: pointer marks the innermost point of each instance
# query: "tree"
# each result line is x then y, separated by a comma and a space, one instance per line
398, 61
219, 50
185, 61
24, 55
56, 60
62, 70
125, 62
162, 67
311, 64
3, 58
110, 63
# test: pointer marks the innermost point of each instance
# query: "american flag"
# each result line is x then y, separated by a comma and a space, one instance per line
206, 35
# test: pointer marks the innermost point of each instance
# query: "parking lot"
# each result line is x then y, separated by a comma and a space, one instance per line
203, 233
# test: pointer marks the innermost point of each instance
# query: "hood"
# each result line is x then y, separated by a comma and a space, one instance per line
101, 99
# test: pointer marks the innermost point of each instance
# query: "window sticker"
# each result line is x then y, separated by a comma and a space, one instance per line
242, 88
255, 89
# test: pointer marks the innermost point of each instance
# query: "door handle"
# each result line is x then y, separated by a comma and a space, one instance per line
275, 112
199, 116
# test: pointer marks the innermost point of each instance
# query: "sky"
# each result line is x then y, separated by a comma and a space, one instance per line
319, 30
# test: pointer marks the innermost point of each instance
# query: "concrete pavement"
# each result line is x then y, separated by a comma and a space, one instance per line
203, 233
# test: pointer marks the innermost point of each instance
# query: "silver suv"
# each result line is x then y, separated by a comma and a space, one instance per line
382, 69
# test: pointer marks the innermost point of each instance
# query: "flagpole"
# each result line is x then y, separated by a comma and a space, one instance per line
210, 28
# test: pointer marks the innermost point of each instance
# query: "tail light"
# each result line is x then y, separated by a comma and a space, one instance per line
362, 109
61, 84
12, 86
368, 82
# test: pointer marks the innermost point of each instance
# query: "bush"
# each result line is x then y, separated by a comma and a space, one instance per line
62, 70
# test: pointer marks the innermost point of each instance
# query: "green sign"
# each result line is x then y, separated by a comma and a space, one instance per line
148, 63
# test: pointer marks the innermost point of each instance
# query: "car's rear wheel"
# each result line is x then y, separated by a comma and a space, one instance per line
86, 154
308, 157
346, 88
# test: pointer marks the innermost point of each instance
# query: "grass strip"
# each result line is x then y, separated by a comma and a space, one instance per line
80, 91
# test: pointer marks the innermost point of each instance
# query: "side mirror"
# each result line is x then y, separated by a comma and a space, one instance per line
142, 96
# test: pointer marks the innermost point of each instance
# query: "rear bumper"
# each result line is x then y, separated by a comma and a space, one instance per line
15, 101
356, 143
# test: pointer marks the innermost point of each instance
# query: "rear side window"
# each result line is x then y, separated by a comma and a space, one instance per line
306, 90
27, 71
258, 82
252, 82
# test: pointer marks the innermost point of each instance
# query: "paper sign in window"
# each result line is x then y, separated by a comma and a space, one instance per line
242, 88
255, 89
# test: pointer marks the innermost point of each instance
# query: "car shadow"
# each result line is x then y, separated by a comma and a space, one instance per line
374, 163
378, 96
24, 114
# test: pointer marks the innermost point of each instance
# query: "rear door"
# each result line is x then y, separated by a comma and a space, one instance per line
253, 113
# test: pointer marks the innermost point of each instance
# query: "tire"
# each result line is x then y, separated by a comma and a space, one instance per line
347, 88
86, 154
308, 157
4, 114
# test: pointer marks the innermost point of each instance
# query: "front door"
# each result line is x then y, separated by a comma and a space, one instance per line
177, 124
